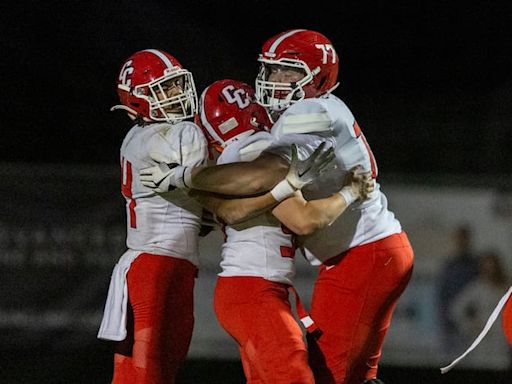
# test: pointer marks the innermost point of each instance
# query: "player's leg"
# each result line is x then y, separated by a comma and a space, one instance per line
394, 255
123, 362
352, 305
250, 370
257, 314
161, 294
232, 320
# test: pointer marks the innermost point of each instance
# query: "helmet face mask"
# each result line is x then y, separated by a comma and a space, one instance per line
278, 96
153, 86
172, 107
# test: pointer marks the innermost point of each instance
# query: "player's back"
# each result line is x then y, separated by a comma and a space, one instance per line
307, 124
165, 224
260, 246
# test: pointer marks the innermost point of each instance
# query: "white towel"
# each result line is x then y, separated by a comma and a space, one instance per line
113, 324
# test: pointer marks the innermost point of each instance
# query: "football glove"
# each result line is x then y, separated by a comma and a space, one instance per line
303, 172
163, 177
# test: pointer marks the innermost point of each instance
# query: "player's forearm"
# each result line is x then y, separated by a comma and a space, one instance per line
241, 178
305, 217
233, 211
324, 212
238, 210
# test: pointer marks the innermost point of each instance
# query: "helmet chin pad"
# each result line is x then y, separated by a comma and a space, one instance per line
277, 103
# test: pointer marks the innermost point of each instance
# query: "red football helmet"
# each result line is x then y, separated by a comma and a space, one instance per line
228, 112
306, 51
154, 86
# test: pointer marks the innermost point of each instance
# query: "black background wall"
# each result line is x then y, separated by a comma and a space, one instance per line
429, 82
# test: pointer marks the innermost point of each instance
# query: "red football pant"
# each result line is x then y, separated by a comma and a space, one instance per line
160, 320
352, 304
257, 314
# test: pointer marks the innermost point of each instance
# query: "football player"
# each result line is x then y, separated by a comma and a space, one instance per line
258, 254
149, 308
366, 257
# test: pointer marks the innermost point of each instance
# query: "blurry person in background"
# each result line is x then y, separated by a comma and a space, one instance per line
472, 307
456, 273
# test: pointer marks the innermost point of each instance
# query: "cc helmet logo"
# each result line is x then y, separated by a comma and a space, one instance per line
238, 96
126, 71
326, 48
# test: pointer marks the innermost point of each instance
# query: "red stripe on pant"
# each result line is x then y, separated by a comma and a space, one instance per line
257, 314
160, 321
353, 301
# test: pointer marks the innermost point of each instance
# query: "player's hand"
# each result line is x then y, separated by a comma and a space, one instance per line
363, 181
357, 185
303, 172
161, 177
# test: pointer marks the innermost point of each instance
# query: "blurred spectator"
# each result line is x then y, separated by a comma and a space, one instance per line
456, 273
472, 308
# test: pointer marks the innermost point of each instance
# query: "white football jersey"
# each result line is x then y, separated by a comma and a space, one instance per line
165, 224
260, 246
308, 123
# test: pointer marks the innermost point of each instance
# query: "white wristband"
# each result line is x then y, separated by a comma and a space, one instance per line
183, 176
348, 195
282, 190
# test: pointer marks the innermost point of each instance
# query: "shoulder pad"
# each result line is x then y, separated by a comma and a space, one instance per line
306, 116
253, 150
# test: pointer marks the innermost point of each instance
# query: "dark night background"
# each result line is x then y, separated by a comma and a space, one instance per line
429, 82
